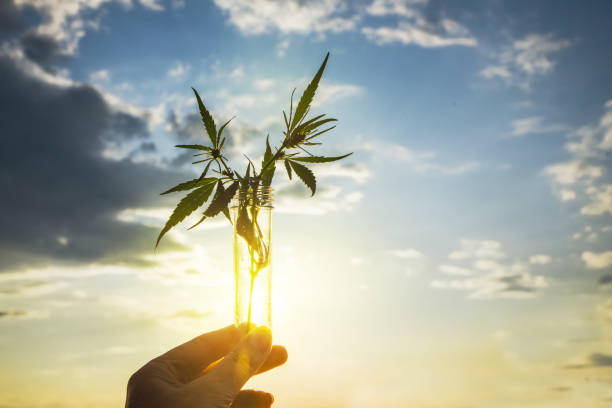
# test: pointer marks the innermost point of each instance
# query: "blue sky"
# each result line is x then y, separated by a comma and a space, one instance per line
460, 257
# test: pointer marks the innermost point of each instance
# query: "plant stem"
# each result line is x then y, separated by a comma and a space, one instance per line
250, 299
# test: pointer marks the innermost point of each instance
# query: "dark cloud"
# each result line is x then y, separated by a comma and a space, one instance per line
190, 129
60, 196
514, 283
601, 360
10, 18
42, 49
12, 313
148, 147
605, 280
594, 360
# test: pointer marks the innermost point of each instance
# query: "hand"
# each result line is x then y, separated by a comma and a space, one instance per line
208, 372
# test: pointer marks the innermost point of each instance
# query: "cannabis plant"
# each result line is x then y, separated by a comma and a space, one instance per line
299, 135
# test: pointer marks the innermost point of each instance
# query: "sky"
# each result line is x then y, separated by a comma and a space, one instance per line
461, 257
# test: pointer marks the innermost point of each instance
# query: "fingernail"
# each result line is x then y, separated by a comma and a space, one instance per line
261, 339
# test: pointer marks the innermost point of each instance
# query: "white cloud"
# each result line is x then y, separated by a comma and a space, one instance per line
237, 72
154, 5
582, 177
330, 198
356, 171
328, 92
455, 270
600, 200
478, 249
523, 60
291, 16
408, 253
490, 277
101, 75
540, 259
597, 260
414, 28
178, 70
282, 47
403, 8
414, 33
264, 83
532, 125
418, 161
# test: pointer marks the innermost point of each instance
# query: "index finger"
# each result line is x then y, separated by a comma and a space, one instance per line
192, 357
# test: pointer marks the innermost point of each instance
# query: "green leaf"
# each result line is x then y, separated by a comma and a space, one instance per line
194, 147
288, 168
319, 133
185, 207
191, 184
286, 121
305, 175
268, 173
319, 159
308, 94
223, 127
244, 226
314, 125
221, 199
227, 213
207, 119
205, 170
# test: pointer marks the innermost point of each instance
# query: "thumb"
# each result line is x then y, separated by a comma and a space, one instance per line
223, 382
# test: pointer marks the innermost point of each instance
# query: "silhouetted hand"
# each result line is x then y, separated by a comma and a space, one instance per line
208, 372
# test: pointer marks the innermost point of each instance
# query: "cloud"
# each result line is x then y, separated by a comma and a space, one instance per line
586, 170
455, 270
597, 260
414, 27
253, 17
294, 198
418, 161
178, 70
525, 59
414, 33
478, 249
593, 360
64, 193
540, 259
489, 277
408, 253
101, 75
533, 125
154, 5
23, 314
331, 92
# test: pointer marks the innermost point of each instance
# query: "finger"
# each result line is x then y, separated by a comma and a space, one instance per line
252, 399
223, 382
278, 356
192, 357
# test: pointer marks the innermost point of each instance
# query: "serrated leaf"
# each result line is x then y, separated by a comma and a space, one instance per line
286, 121
319, 159
194, 147
191, 184
223, 127
185, 207
207, 119
319, 133
309, 92
305, 175
268, 173
227, 213
205, 170
314, 125
288, 168
221, 199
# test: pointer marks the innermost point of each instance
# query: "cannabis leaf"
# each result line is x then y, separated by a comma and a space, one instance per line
189, 185
304, 103
319, 159
185, 207
208, 121
300, 134
305, 175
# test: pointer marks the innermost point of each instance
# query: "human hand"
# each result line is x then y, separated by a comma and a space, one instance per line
208, 372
